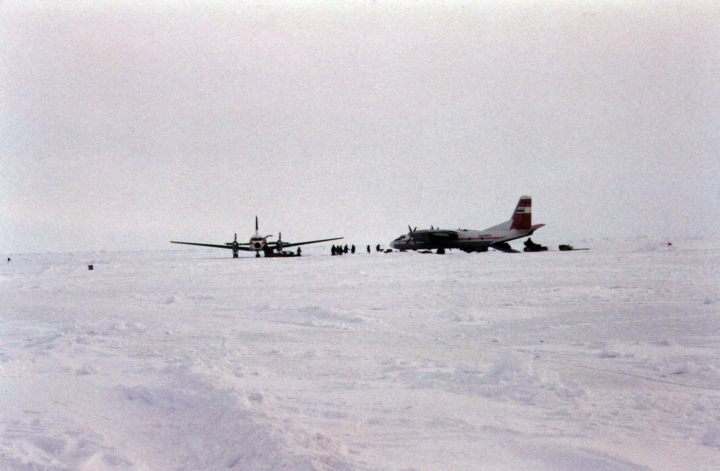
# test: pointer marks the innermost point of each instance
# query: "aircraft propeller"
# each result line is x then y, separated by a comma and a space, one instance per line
411, 237
234, 244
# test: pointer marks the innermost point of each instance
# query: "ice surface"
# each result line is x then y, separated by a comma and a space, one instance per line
187, 359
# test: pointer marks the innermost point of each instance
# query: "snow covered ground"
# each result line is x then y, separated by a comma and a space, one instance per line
187, 359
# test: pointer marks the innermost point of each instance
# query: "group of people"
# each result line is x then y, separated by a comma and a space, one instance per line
339, 249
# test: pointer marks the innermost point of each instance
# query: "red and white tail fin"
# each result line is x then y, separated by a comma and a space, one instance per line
522, 217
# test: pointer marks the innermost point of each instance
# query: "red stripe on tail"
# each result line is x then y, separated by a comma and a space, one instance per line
522, 217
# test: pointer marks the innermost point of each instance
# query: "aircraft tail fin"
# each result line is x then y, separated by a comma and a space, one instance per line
522, 216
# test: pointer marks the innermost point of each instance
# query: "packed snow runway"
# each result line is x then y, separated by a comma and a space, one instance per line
188, 359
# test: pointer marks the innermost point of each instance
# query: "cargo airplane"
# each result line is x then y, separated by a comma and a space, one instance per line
469, 240
257, 244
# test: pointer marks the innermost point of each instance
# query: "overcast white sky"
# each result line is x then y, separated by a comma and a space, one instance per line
125, 125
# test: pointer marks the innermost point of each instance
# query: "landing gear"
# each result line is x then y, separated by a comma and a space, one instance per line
440, 251
257, 254
235, 254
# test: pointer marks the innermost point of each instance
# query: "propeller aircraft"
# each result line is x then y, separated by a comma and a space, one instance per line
258, 243
497, 237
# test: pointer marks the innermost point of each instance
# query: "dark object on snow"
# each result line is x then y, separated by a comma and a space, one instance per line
299, 252
531, 246
284, 253
90, 267
567, 247
9, 260
368, 249
352, 248
388, 250
504, 247
377, 248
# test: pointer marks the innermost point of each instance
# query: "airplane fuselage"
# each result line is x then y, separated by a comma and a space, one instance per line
258, 243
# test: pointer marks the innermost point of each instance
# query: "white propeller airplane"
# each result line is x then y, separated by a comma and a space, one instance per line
469, 240
257, 244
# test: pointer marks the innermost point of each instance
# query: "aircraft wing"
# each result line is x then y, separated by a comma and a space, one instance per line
217, 246
295, 244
